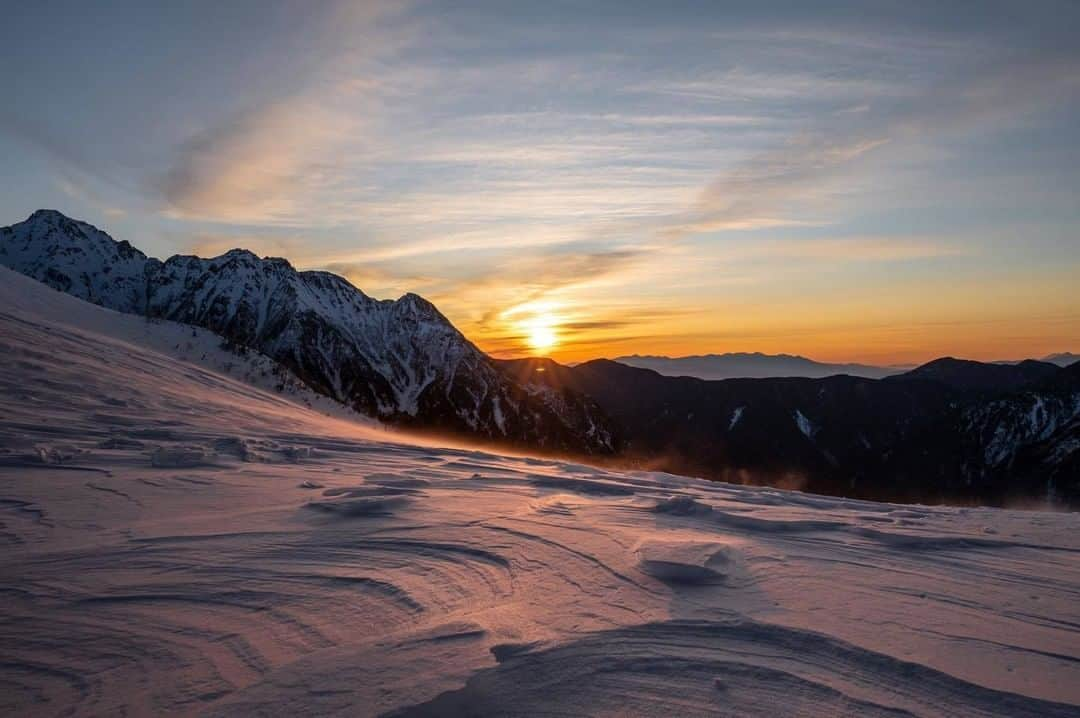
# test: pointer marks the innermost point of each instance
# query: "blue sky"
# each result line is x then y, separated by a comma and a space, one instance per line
849, 180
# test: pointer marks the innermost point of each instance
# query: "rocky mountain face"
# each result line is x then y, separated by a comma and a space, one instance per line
935, 433
400, 361
1030, 437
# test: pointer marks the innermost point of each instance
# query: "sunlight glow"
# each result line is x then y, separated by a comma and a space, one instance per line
541, 332
542, 338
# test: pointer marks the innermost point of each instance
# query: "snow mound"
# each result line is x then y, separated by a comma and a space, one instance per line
689, 562
176, 457
352, 507
681, 506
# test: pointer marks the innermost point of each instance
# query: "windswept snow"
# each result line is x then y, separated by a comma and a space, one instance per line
277, 561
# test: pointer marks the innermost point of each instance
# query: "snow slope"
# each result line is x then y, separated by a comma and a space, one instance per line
22, 297
177, 540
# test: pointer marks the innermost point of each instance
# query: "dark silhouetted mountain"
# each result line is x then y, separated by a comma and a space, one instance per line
973, 376
1031, 437
916, 439
400, 361
752, 366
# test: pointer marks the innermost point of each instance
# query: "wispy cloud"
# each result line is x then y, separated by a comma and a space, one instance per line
205, 244
790, 184
280, 160
81, 193
258, 167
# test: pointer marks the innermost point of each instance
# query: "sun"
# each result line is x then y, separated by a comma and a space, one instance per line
540, 332
542, 338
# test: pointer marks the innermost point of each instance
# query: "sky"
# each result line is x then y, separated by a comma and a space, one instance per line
883, 182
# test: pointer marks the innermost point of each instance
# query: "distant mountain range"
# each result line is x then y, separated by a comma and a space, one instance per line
1062, 358
755, 365
948, 430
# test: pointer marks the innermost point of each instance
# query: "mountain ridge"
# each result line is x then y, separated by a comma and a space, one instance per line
760, 365
752, 365
949, 429
927, 437
400, 361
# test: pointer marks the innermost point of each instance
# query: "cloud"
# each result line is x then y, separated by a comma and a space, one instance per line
88, 197
279, 159
522, 281
384, 281
763, 191
741, 85
791, 184
292, 247
861, 249
255, 167
72, 158
496, 304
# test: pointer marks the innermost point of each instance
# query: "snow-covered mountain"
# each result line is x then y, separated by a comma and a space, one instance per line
751, 365
79, 259
400, 361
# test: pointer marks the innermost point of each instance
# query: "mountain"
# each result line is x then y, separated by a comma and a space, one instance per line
973, 376
1062, 358
1031, 436
939, 433
755, 365
751, 366
400, 361
948, 430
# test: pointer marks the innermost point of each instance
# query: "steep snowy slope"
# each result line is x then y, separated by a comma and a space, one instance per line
400, 361
177, 541
202, 349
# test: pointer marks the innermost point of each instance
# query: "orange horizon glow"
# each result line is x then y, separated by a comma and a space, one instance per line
830, 341
577, 353
874, 316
